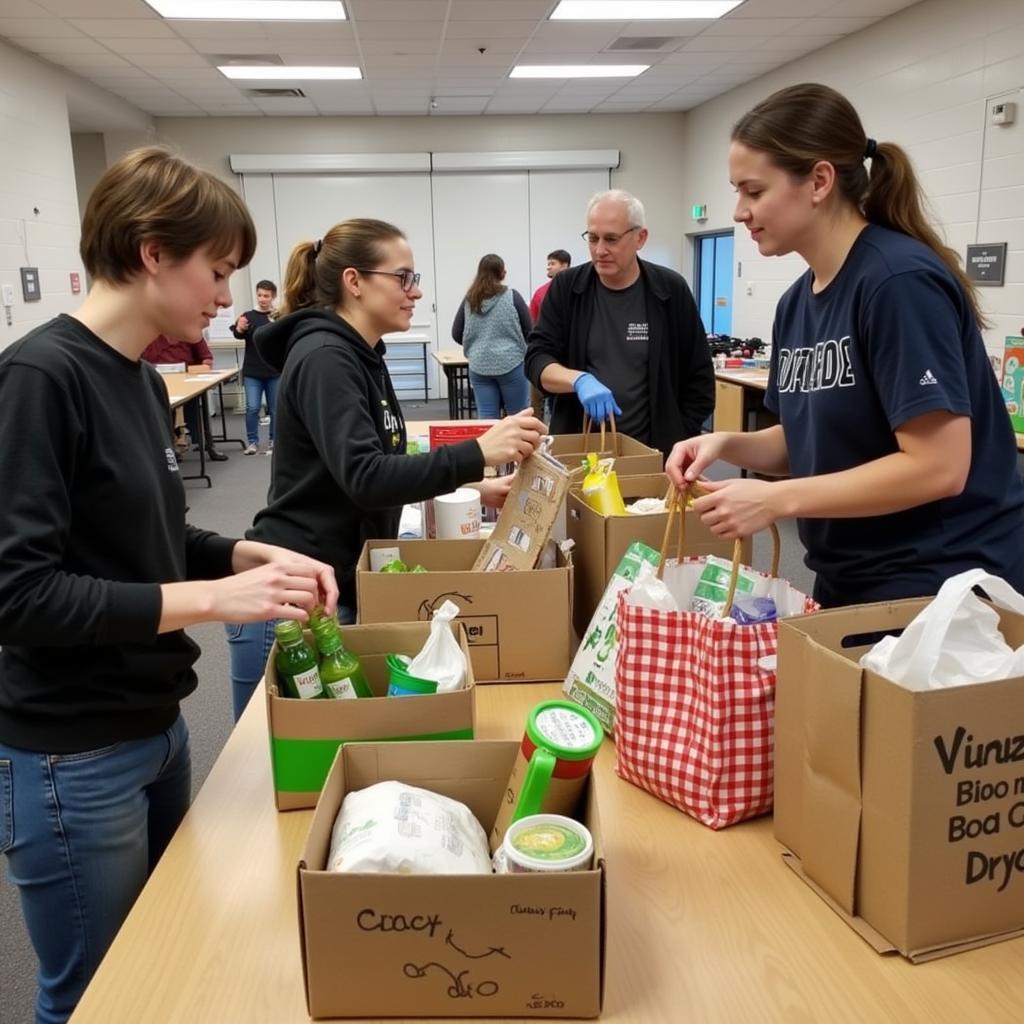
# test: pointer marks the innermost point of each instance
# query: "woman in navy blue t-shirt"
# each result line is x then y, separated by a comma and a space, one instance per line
901, 460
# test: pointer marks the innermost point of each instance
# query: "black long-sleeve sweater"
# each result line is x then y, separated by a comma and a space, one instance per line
92, 521
340, 475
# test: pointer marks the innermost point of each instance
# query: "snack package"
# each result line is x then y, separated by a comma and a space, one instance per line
392, 827
441, 657
646, 506
713, 586
748, 610
601, 486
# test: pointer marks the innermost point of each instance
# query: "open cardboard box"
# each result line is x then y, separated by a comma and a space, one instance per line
601, 541
632, 457
391, 945
904, 810
519, 624
305, 734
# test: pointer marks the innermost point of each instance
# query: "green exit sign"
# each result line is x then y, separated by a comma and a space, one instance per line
699, 211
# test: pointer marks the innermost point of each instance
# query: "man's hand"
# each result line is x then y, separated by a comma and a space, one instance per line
242, 323
250, 554
737, 507
597, 400
494, 490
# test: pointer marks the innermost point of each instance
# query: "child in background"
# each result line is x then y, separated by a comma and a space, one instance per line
259, 378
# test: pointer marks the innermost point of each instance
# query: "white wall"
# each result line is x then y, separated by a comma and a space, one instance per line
920, 78
651, 147
37, 172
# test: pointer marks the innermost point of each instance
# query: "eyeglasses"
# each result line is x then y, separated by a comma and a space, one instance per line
408, 279
591, 239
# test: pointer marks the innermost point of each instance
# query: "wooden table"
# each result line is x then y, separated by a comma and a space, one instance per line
183, 388
703, 927
461, 405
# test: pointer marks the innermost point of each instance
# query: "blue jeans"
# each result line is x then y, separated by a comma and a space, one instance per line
509, 390
249, 646
82, 832
255, 389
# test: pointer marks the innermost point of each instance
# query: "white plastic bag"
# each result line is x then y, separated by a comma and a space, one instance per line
392, 827
954, 640
650, 592
441, 657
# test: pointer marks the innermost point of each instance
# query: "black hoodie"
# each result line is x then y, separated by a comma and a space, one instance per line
340, 476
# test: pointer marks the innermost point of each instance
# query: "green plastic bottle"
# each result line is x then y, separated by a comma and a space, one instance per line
296, 663
340, 670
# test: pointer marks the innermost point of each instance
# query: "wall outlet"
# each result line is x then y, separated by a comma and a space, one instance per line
8, 294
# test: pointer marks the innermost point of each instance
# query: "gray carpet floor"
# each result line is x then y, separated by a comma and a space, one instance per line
238, 492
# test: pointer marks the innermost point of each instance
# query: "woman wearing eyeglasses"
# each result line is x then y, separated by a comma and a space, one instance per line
340, 475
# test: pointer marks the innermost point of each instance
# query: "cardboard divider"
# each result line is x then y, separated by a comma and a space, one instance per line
382, 945
519, 624
904, 808
305, 734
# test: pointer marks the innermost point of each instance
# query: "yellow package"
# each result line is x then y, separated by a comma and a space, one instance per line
601, 486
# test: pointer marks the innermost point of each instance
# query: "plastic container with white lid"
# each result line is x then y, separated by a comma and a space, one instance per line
547, 843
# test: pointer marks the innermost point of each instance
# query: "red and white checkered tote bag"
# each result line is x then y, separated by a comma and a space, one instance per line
695, 710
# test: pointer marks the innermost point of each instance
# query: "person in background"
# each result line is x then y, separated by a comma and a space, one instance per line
621, 322
900, 455
558, 260
491, 326
99, 573
258, 379
162, 350
340, 475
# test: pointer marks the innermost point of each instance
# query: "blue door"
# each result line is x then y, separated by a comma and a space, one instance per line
713, 274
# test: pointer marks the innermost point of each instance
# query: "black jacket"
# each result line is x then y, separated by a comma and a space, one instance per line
682, 377
252, 365
340, 476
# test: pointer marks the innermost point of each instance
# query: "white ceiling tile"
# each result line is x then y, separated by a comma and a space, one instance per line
598, 34
123, 28
688, 60
134, 47
101, 62
203, 34
874, 8
341, 31
461, 104
499, 10
180, 61
783, 8
389, 30
486, 30
195, 77
501, 57
396, 10
99, 8
24, 9
570, 47
37, 28
796, 44
721, 44
463, 50
750, 27
399, 48
297, 53
60, 47
827, 26
285, 105
689, 27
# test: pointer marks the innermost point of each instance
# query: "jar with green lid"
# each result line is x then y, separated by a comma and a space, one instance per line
296, 666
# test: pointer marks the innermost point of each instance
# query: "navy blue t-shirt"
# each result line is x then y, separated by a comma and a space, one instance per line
893, 337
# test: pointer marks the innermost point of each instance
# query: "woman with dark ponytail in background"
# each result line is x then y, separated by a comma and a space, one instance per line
340, 475
901, 457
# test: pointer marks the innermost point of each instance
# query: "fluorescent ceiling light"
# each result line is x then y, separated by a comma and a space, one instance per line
641, 10
279, 73
249, 10
578, 70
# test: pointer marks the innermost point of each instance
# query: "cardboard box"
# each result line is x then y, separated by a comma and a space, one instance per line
1013, 381
632, 457
904, 810
601, 541
305, 735
390, 945
519, 623
527, 517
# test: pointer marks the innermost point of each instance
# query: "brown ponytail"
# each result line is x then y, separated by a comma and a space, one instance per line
487, 283
803, 124
313, 275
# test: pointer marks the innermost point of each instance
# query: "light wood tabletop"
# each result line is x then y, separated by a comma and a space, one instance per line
183, 387
450, 358
745, 376
702, 926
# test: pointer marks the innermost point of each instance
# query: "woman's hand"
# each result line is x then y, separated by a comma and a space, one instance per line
736, 507
512, 439
688, 459
494, 490
251, 554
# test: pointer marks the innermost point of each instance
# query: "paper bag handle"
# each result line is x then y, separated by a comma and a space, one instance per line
676, 503
588, 423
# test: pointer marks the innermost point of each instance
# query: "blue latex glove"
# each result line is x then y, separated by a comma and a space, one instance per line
597, 400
